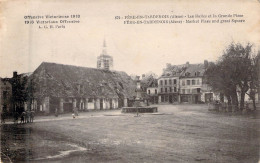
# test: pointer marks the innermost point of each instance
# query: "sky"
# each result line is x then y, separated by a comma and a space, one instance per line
136, 49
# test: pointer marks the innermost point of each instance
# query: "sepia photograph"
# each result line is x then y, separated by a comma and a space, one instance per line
130, 81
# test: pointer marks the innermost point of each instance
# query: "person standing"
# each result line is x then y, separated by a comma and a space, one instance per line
56, 113
23, 117
3, 117
31, 116
27, 116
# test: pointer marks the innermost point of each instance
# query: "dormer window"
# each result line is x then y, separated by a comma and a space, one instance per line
187, 74
197, 73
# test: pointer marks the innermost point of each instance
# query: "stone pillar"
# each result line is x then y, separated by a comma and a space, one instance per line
97, 104
105, 103
80, 105
125, 102
94, 102
159, 99
61, 110
74, 103
35, 105
113, 103
31, 106
86, 104
47, 105
116, 103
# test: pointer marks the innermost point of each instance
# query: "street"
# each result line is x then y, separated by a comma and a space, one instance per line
177, 133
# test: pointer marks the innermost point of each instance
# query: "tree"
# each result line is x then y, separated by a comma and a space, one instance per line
234, 73
220, 81
254, 82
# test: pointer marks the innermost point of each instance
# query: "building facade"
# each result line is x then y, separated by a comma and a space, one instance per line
184, 84
65, 87
168, 86
5, 95
152, 91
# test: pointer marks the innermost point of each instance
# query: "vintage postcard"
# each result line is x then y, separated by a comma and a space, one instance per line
129, 81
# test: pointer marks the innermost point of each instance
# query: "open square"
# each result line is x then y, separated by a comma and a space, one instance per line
177, 133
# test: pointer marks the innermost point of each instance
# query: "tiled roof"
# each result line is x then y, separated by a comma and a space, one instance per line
60, 80
184, 70
193, 70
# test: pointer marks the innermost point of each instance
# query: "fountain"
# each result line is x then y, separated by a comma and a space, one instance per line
139, 104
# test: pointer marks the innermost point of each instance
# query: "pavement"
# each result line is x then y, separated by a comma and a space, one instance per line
177, 133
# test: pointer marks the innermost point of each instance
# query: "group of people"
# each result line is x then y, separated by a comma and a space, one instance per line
27, 116
3, 116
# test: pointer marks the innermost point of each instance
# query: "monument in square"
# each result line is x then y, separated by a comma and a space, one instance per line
140, 104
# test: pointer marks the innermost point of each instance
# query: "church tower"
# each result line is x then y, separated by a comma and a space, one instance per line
105, 61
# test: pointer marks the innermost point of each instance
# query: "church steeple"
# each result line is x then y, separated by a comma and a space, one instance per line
105, 61
104, 51
104, 43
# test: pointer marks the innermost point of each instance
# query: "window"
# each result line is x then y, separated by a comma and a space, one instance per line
175, 89
161, 82
183, 91
161, 90
155, 91
183, 82
188, 91
174, 81
165, 89
188, 82
198, 82
170, 81
165, 82
193, 82
170, 89
149, 92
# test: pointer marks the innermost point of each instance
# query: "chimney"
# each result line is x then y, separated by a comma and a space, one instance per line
206, 63
14, 74
187, 64
143, 76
